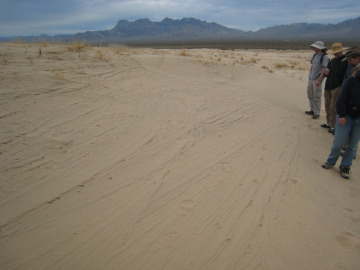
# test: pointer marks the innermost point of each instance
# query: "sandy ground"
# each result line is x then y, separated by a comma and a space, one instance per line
119, 158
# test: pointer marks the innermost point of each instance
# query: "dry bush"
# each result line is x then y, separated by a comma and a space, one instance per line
76, 46
184, 52
199, 55
99, 54
43, 43
248, 62
294, 63
265, 67
252, 61
121, 50
281, 65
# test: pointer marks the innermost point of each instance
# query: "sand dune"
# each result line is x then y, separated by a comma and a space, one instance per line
119, 158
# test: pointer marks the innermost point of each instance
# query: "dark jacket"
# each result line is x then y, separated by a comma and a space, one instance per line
337, 69
348, 102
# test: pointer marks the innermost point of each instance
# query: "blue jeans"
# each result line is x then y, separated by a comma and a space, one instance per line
351, 130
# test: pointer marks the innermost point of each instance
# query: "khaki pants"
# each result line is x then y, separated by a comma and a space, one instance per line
331, 97
314, 94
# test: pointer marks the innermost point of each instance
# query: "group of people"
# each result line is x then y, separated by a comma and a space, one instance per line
342, 99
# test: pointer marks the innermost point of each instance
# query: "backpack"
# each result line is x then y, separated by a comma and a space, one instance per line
321, 58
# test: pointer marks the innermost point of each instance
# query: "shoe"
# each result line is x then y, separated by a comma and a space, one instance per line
345, 172
309, 112
327, 166
325, 126
315, 117
331, 130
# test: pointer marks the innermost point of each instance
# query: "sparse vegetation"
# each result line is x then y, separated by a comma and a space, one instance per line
281, 65
76, 46
43, 43
252, 61
184, 52
270, 70
99, 54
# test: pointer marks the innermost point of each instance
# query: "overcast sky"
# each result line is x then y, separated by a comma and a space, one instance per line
52, 17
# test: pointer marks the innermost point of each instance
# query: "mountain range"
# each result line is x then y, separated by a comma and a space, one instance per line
190, 29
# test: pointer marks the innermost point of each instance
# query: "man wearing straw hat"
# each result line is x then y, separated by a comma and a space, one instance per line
319, 63
335, 76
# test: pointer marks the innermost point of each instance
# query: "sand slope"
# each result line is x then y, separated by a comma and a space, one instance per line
115, 158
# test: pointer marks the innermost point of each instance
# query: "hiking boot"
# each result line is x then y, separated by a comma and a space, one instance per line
345, 172
315, 116
331, 130
325, 126
309, 112
327, 166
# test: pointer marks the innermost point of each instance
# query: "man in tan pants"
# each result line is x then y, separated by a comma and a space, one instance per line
335, 75
319, 62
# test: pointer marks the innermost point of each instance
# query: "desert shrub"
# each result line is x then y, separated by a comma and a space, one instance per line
99, 54
252, 61
248, 62
281, 65
76, 46
184, 52
265, 67
43, 43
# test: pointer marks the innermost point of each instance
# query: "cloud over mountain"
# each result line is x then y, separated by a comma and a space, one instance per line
190, 29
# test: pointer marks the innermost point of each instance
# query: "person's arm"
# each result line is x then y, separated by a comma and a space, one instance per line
319, 80
341, 102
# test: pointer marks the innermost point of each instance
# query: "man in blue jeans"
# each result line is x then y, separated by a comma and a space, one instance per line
347, 122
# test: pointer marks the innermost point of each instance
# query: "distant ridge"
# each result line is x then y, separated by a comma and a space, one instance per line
168, 29
190, 29
346, 30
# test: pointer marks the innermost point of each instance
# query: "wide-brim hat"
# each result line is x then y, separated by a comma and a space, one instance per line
353, 52
336, 48
319, 45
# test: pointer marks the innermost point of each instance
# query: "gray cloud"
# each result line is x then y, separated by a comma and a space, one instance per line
26, 17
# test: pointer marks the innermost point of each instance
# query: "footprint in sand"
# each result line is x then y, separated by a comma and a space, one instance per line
164, 241
352, 211
185, 207
225, 167
354, 192
349, 209
316, 161
348, 241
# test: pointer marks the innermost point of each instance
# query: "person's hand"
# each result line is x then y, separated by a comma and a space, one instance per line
342, 121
